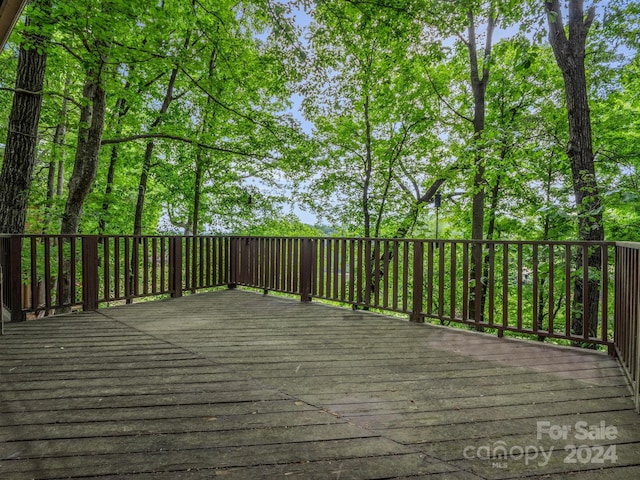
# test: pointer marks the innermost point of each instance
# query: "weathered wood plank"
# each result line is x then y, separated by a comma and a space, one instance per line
176, 458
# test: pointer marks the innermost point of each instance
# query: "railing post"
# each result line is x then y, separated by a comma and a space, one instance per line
89, 273
175, 266
306, 268
418, 281
233, 263
635, 318
1, 301
13, 277
636, 390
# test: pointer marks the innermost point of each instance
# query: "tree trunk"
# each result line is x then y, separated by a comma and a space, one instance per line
85, 167
22, 137
546, 230
197, 191
56, 165
479, 87
51, 181
368, 171
148, 155
368, 167
142, 187
106, 200
121, 109
569, 52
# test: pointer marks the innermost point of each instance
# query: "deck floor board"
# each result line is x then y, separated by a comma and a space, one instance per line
240, 385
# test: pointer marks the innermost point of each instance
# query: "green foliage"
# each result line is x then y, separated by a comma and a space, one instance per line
286, 226
385, 95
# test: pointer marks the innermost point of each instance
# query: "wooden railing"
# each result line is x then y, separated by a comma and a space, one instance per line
54, 273
523, 287
532, 289
627, 318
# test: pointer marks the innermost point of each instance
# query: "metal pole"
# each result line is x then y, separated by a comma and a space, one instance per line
437, 201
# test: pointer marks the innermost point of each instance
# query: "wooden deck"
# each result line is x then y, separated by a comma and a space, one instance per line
244, 386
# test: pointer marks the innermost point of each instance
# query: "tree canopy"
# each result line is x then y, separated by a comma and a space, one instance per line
213, 116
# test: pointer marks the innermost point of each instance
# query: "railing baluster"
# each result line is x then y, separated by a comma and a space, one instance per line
418, 280
534, 280
492, 282
519, 287
567, 290
441, 279
295, 263
368, 272
72, 269
329, 267
321, 268
145, 263
33, 247
586, 304
116, 267
135, 265
430, 263
89, 273
376, 261
337, 270
465, 282
505, 289
60, 280
550, 283
352, 270
452, 278
385, 278
201, 266
47, 275
341, 265
359, 272
106, 269
154, 266
127, 268
208, 262
405, 277
604, 285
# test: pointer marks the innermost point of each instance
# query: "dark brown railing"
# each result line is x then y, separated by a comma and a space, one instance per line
51, 273
627, 318
525, 287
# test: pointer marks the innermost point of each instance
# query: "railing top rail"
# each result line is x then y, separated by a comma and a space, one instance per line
468, 241
384, 239
78, 235
633, 245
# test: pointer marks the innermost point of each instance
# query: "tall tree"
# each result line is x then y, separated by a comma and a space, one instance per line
372, 115
570, 52
92, 115
22, 138
480, 72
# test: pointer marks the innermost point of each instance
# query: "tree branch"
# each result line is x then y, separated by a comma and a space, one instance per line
491, 25
442, 99
226, 107
51, 94
431, 191
168, 136
557, 36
